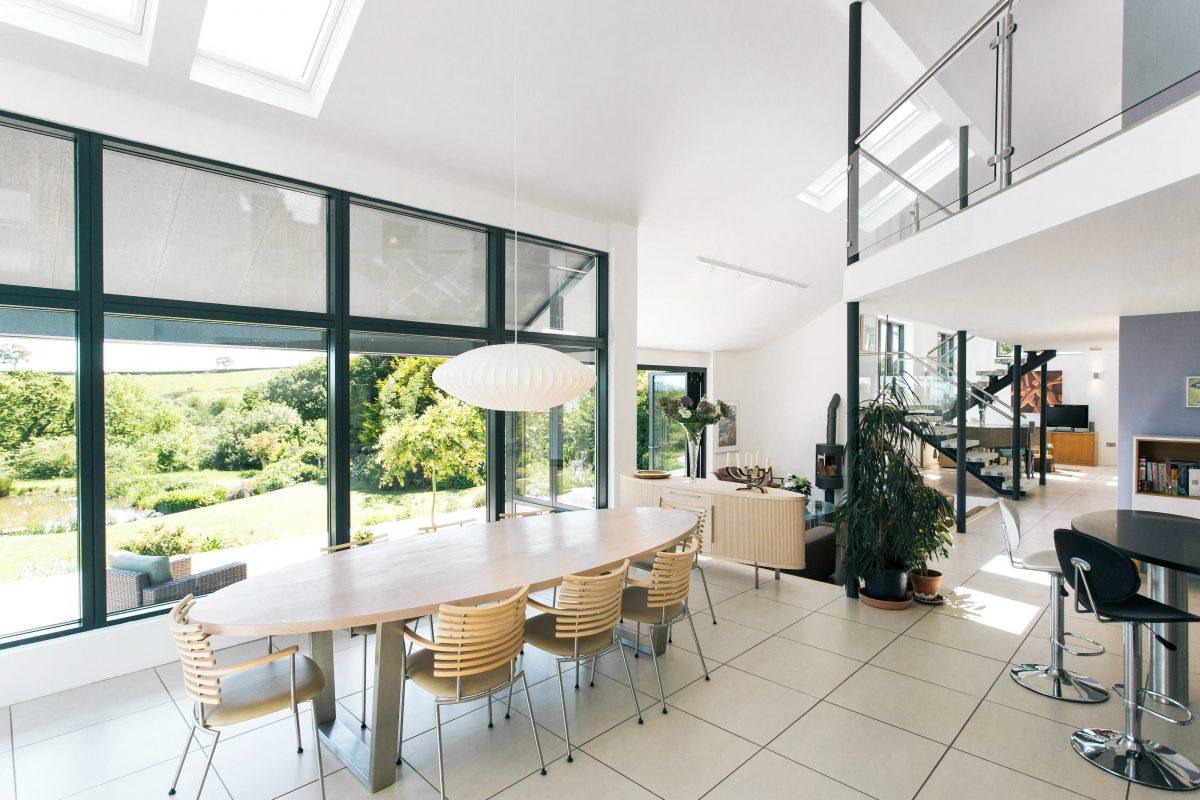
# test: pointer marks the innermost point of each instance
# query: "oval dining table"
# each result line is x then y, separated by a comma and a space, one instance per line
387, 583
1169, 545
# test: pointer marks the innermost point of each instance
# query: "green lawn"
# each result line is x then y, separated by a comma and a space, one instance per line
207, 385
16, 551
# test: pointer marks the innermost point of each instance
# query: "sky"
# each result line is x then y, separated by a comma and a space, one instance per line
58, 355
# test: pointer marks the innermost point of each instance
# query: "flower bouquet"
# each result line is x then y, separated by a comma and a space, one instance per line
694, 416
795, 483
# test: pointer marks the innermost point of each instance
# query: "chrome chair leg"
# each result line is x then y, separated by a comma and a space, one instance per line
1054, 680
182, 758
562, 694
270, 644
296, 710
654, 657
637, 646
208, 764
696, 639
490, 725
437, 726
366, 659
317, 745
628, 674
576, 673
532, 722
707, 596
508, 708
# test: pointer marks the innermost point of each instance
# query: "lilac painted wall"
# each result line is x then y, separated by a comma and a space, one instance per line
1157, 352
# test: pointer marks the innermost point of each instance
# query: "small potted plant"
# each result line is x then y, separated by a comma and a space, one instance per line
694, 416
800, 485
893, 522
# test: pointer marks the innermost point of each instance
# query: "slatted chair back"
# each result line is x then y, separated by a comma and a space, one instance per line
671, 577
472, 639
589, 604
696, 532
196, 655
374, 538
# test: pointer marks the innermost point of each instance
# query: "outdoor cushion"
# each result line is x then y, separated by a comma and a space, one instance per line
156, 568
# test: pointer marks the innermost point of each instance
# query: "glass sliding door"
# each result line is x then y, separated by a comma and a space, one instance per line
39, 498
661, 444
418, 457
215, 454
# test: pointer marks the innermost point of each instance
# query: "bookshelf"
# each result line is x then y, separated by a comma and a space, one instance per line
1150, 481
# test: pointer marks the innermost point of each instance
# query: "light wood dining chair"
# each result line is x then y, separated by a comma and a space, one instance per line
698, 532
473, 654
239, 692
663, 600
582, 625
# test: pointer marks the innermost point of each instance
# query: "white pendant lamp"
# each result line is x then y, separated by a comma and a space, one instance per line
514, 377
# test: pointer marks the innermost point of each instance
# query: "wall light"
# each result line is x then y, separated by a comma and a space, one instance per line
1095, 376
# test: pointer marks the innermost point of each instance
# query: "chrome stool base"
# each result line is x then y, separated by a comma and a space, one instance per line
1156, 765
1058, 685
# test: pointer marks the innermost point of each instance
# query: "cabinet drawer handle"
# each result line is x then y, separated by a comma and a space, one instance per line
685, 494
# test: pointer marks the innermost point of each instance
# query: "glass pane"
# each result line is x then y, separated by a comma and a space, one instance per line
39, 507
276, 37
556, 289
190, 234
215, 454
418, 457
37, 209
551, 454
668, 446
404, 267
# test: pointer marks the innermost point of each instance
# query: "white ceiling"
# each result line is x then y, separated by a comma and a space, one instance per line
697, 120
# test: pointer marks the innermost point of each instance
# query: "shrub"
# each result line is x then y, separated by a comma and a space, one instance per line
282, 474
6, 483
45, 459
162, 541
236, 428
176, 500
170, 451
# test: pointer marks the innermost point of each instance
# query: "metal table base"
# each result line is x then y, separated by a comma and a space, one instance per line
1169, 669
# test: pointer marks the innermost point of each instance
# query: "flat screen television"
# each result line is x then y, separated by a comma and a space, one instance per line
1066, 416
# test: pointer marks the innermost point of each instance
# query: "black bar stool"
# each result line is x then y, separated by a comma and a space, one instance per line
1106, 584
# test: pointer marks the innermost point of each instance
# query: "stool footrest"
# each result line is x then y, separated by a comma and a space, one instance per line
1099, 651
1161, 698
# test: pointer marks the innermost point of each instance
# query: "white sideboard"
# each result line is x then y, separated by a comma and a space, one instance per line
749, 527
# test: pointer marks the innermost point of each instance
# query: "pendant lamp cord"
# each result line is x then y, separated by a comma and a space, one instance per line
516, 230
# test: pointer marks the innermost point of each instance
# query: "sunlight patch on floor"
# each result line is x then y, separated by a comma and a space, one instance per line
992, 610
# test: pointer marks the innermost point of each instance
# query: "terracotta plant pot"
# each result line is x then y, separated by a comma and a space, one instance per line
926, 583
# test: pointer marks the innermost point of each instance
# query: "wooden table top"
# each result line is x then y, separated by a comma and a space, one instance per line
411, 577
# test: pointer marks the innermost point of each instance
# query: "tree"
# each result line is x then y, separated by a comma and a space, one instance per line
36, 405
13, 355
224, 362
302, 387
643, 419
448, 437
367, 373
410, 389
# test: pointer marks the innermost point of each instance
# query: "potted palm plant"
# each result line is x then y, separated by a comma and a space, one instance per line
893, 522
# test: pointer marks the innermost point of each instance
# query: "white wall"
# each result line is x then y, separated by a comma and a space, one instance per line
1098, 394
783, 389
673, 358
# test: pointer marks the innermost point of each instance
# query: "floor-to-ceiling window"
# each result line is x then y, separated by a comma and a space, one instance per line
661, 444
209, 372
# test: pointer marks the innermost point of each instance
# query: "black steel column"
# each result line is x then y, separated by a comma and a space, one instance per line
338, 349
853, 127
963, 164
497, 454
852, 347
960, 445
1016, 423
1042, 430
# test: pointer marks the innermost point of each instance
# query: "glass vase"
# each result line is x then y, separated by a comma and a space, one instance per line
693, 435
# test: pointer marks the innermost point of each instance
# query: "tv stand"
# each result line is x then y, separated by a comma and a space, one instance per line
1073, 447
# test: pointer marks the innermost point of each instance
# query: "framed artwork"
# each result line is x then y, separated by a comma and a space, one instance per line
1031, 390
1004, 352
1193, 391
869, 338
727, 430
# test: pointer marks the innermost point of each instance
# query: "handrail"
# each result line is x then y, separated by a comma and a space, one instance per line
946, 373
954, 50
912, 187
952, 342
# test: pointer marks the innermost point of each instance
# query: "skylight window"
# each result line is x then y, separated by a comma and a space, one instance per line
900, 131
283, 52
925, 174
121, 28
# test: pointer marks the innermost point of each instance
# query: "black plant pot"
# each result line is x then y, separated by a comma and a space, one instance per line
888, 584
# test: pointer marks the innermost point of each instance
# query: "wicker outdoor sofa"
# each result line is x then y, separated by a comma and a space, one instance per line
128, 590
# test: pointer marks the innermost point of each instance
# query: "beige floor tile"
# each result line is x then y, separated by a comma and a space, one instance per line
934, 712
591, 710
839, 636
1037, 747
1107, 634
1022, 585
584, 777
264, 762
871, 756
8, 781
718, 593
678, 668
857, 611
945, 666
974, 637
960, 775
798, 591
186, 710
155, 781
342, 785
769, 776
481, 761
677, 756
766, 615
35, 720
799, 666
747, 705
418, 709
990, 609
729, 575
91, 756
721, 642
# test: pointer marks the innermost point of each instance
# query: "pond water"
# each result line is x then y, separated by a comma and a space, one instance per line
36, 509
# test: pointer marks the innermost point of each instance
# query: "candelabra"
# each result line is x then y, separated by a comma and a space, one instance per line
754, 477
